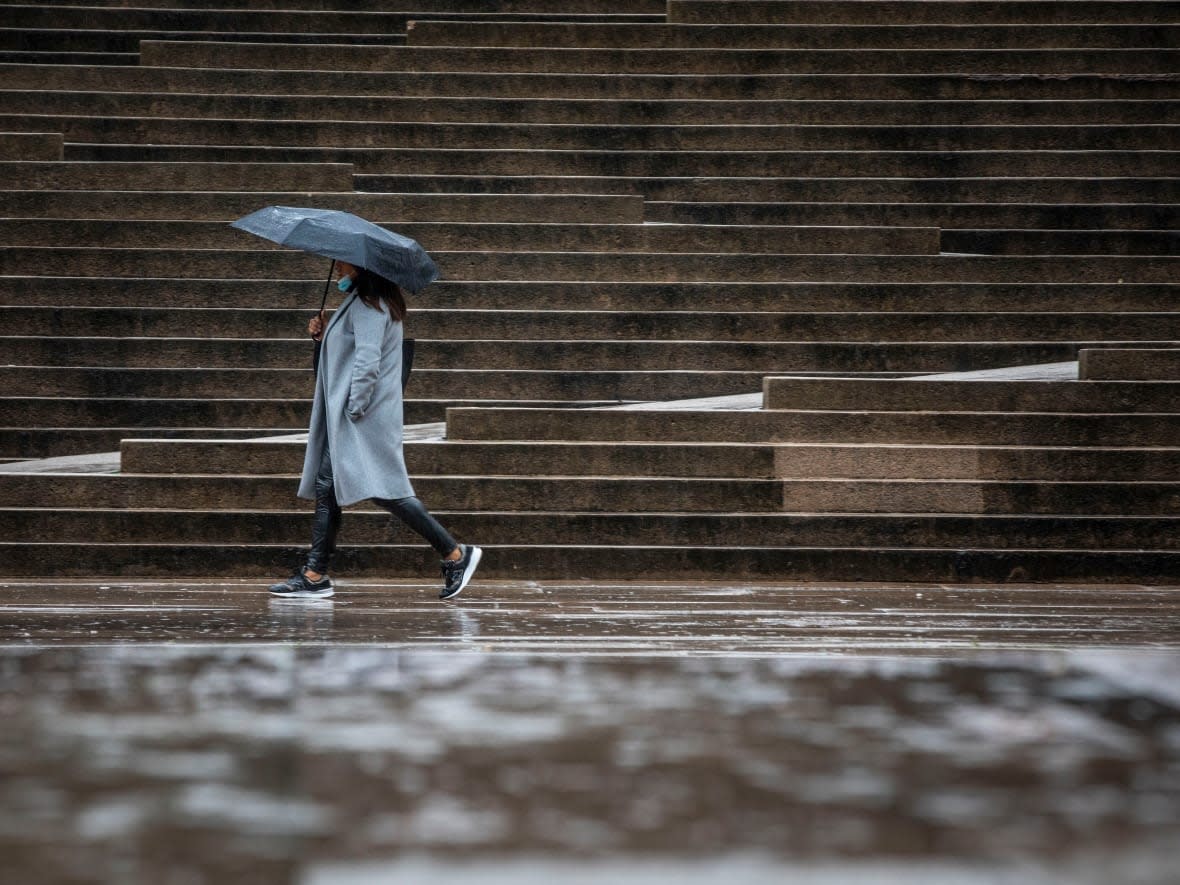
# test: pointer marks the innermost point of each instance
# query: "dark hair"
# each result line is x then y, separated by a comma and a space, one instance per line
373, 290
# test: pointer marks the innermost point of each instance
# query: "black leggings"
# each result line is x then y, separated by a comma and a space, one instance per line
326, 522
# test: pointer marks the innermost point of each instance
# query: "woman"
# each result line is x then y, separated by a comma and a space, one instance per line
354, 444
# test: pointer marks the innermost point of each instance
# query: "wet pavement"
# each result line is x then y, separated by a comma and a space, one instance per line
601, 618
191, 732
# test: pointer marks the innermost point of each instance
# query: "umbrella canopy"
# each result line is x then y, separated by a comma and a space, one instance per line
345, 237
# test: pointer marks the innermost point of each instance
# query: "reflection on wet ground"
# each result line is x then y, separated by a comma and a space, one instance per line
601, 618
176, 733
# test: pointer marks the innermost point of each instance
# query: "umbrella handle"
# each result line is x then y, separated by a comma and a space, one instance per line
327, 286
315, 353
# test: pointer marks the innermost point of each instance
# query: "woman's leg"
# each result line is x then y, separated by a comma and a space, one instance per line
326, 522
413, 513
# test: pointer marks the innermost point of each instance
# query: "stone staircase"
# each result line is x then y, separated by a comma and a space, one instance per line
645, 214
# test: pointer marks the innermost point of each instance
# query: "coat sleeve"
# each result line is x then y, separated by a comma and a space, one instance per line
368, 328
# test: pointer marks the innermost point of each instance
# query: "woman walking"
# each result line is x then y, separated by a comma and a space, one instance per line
354, 443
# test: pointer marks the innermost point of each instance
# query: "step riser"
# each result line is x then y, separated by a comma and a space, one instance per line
493, 237
637, 86
969, 462
435, 458
605, 61
319, 25
816, 297
574, 356
468, 8
1021, 218
622, 563
294, 176
837, 427
616, 530
276, 264
787, 462
633, 495
788, 189
220, 21
316, 109
971, 396
76, 59
478, 325
1129, 365
1059, 497
890, 12
46, 412
25, 444
465, 493
30, 146
141, 417
984, 162
82, 43
903, 37
193, 206
427, 384
1032, 242
979, 192
506, 137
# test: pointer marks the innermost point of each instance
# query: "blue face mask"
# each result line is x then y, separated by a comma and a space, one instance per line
344, 284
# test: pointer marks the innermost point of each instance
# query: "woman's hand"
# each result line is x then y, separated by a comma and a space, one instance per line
315, 326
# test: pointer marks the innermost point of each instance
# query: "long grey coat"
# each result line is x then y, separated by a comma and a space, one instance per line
358, 404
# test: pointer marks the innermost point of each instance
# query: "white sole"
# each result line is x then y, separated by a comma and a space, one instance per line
317, 595
476, 556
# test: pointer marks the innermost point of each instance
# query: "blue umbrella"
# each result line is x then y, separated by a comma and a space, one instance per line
345, 237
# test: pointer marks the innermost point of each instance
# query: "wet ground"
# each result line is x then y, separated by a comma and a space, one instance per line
190, 733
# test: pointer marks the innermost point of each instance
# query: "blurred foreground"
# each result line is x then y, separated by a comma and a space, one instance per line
191, 733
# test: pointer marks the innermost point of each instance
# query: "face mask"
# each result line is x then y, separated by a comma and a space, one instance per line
344, 284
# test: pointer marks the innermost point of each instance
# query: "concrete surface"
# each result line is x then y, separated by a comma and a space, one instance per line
644, 734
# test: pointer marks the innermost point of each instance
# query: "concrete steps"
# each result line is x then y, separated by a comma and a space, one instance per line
454, 7
643, 165
627, 563
572, 356
1140, 364
428, 384
294, 56
242, 84
907, 37
639, 266
224, 206
976, 396
248, 528
23, 444
910, 427
30, 145
326, 25
443, 237
776, 296
610, 326
741, 189
797, 461
628, 494
1160, 135
598, 111
1026, 216
759, 194
57, 175
624, 210
1072, 242
889, 12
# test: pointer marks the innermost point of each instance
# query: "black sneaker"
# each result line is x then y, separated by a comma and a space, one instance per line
299, 586
457, 573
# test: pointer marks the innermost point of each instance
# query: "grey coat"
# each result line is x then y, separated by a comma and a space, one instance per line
358, 406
